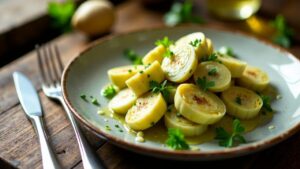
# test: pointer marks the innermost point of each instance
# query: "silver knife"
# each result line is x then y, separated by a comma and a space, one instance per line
31, 104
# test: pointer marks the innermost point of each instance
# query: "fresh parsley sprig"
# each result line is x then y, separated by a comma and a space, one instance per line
109, 91
227, 139
61, 14
166, 43
155, 87
204, 84
195, 43
131, 55
181, 13
238, 100
212, 71
212, 57
176, 140
283, 33
225, 50
266, 103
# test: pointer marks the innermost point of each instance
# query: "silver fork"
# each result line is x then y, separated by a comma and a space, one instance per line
51, 68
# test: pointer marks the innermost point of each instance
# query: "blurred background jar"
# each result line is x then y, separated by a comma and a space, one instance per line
233, 9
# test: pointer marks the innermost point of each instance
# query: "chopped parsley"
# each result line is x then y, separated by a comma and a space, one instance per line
166, 43
95, 102
131, 55
225, 50
109, 92
181, 13
238, 100
83, 97
168, 53
212, 71
212, 57
266, 103
283, 33
155, 87
176, 140
204, 84
107, 128
195, 43
227, 139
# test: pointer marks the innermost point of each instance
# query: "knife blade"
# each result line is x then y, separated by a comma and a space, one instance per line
27, 94
31, 104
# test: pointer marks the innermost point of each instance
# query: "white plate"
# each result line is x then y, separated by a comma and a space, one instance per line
87, 73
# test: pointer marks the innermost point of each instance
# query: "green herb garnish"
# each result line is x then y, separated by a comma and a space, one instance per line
61, 14
238, 100
133, 56
168, 53
212, 71
83, 97
181, 13
109, 92
212, 57
95, 102
229, 140
166, 42
195, 43
176, 140
107, 128
155, 87
266, 103
283, 33
204, 84
225, 50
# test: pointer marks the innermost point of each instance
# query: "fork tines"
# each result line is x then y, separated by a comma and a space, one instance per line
50, 64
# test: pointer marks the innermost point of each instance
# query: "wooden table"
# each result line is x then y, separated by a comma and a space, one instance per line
19, 147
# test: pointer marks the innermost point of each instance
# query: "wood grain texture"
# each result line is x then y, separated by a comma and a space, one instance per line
69, 45
18, 143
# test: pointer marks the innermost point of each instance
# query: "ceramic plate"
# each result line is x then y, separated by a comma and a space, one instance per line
87, 73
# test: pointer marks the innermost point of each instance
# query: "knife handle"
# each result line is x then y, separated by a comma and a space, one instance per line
48, 157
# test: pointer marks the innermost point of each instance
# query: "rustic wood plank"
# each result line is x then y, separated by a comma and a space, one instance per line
19, 144
69, 45
117, 158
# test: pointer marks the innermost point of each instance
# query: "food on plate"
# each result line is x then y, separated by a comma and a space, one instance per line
146, 112
119, 75
214, 72
235, 66
181, 65
140, 82
123, 101
173, 119
197, 105
241, 102
200, 94
254, 78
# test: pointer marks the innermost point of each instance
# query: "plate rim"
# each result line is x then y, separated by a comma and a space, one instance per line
169, 153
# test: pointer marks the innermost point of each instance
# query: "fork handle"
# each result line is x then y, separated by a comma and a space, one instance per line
48, 157
88, 156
